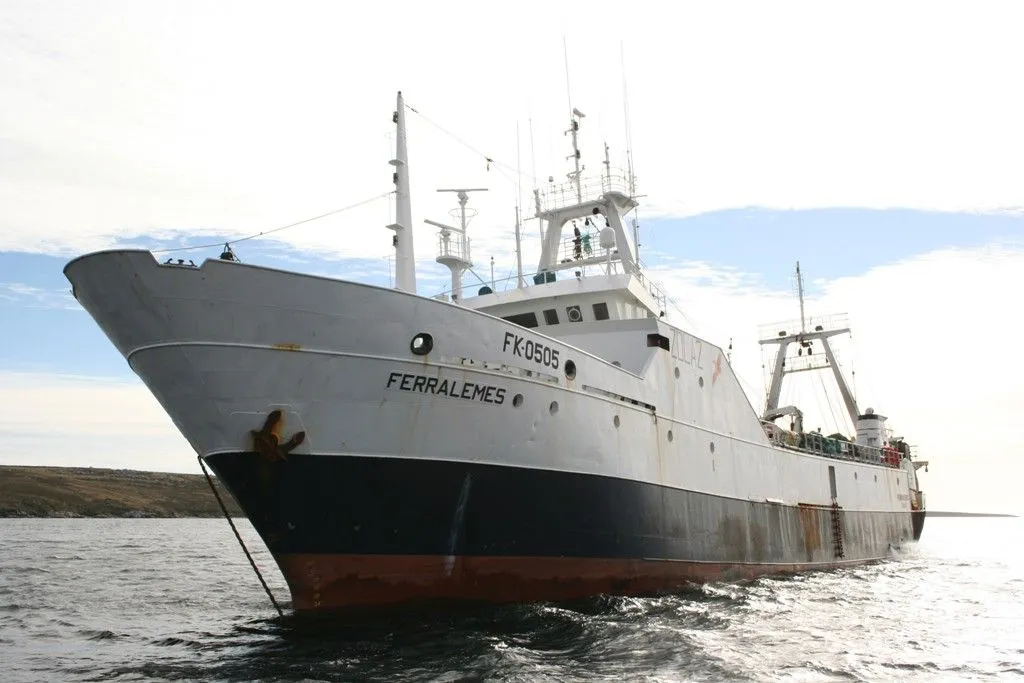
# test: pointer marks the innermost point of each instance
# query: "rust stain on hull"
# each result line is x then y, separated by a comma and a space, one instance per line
810, 522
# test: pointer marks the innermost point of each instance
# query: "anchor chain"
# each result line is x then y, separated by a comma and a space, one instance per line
227, 516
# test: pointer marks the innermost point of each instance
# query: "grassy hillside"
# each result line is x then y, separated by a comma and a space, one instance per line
93, 492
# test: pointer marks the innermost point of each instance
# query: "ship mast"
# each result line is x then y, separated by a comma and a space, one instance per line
800, 289
405, 259
453, 250
802, 362
574, 128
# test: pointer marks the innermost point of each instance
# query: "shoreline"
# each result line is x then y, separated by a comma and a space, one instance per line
35, 491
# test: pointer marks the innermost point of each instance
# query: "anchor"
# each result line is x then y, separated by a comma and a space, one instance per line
267, 441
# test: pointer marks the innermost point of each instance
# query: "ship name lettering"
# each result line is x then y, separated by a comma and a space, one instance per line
688, 349
452, 388
530, 350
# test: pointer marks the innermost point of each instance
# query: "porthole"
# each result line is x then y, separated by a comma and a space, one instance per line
517, 401
712, 446
570, 369
615, 421
677, 373
421, 344
670, 436
553, 408
700, 382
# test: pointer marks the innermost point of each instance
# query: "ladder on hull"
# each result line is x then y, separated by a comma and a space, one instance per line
837, 531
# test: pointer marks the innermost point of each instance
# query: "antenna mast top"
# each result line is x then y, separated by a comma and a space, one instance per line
607, 165
454, 253
800, 289
574, 128
463, 194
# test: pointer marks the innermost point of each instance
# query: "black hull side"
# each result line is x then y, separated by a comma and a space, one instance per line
918, 521
319, 514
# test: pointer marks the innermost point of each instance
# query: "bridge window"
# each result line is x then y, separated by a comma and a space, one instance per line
659, 340
523, 319
601, 311
550, 316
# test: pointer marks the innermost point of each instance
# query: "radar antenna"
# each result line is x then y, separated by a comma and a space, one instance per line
453, 250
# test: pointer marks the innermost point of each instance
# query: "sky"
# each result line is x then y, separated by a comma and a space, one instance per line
878, 144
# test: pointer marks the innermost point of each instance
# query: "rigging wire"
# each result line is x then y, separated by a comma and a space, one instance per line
831, 409
273, 230
817, 401
672, 302
491, 161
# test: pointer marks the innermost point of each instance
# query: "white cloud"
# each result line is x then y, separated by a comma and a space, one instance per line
125, 118
28, 296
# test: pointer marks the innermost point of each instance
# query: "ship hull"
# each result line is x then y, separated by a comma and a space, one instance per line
352, 531
918, 521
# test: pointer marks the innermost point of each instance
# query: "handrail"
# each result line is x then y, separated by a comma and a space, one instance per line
652, 288
558, 195
817, 444
454, 244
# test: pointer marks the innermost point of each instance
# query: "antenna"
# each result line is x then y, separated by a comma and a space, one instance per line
629, 134
568, 90
630, 176
800, 289
519, 255
455, 253
607, 165
519, 200
463, 195
574, 125
574, 128
536, 192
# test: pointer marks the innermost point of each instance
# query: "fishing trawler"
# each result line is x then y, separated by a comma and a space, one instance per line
554, 440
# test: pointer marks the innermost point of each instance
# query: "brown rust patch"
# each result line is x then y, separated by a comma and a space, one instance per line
810, 520
267, 440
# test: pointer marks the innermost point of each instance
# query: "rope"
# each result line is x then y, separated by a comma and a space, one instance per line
240, 541
283, 227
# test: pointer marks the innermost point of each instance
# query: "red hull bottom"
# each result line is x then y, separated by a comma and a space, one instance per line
328, 582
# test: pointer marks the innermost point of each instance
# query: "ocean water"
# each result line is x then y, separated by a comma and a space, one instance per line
170, 600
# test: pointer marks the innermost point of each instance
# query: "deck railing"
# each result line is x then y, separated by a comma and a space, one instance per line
558, 195
839, 449
453, 244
